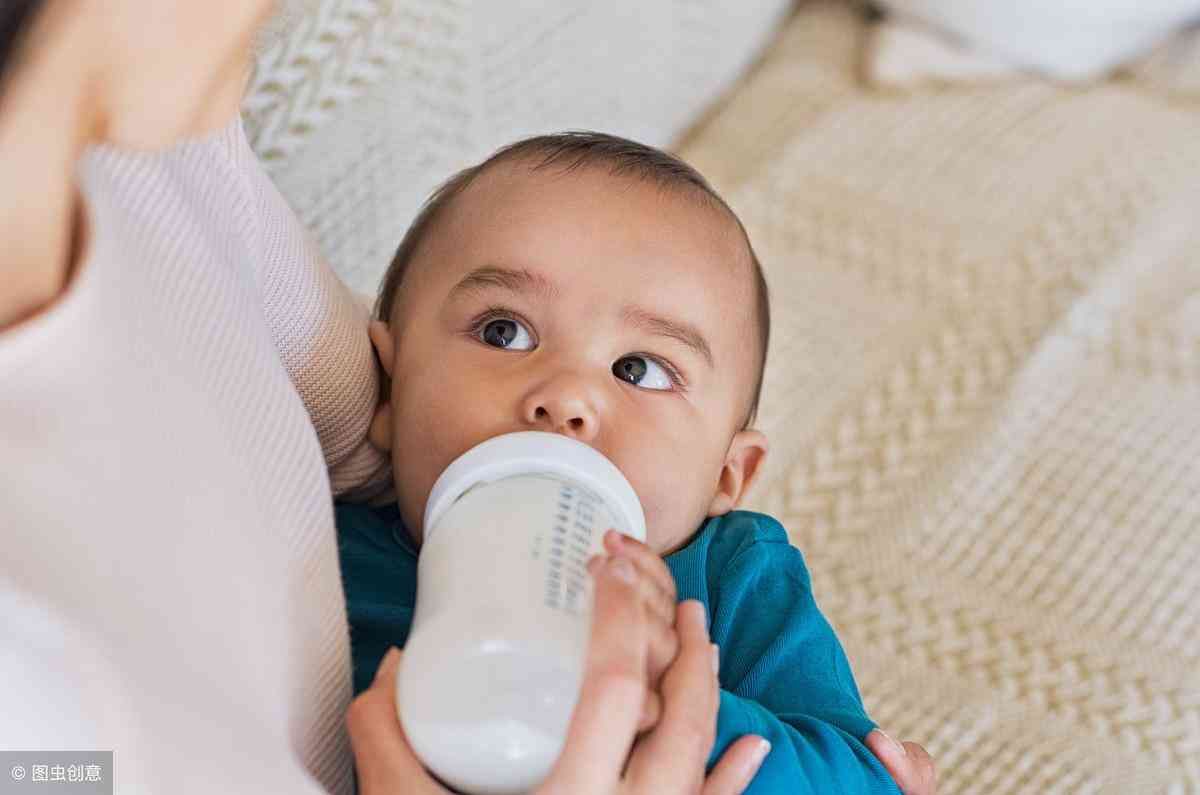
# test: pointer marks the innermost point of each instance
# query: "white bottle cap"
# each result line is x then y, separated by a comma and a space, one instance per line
537, 453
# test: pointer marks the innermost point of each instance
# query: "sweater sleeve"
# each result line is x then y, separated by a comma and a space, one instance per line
785, 676
320, 330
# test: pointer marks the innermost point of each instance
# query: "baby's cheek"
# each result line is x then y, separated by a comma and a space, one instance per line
419, 453
668, 497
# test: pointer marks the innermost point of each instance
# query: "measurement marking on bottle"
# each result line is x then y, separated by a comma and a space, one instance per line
567, 555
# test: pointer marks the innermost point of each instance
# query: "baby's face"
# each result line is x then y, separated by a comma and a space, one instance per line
599, 307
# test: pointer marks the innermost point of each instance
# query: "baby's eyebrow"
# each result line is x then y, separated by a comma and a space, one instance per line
520, 280
679, 330
515, 280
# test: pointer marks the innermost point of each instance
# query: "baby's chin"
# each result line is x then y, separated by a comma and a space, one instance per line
666, 543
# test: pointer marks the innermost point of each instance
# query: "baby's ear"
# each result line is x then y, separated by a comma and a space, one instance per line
380, 432
743, 463
385, 347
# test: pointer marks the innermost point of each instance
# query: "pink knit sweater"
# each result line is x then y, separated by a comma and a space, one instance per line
169, 582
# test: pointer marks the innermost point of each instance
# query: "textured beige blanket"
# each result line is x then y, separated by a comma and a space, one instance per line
984, 399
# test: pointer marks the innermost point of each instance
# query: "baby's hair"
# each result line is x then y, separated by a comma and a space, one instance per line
570, 151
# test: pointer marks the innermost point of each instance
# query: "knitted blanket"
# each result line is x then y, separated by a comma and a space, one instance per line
984, 399
983, 393
359, 108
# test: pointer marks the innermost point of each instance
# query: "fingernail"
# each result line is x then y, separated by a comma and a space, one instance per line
760, 753
899, 748
621, 568
613, 537
764, 748
716, 653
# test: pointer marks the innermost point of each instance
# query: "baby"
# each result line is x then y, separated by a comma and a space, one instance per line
591, 286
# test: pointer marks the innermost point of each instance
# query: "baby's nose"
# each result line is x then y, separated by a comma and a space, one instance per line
563, 407
579, 427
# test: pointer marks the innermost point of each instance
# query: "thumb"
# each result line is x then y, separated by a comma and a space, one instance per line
388, 666
893, 756
382, 755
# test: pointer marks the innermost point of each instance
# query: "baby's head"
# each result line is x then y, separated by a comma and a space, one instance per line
585, 285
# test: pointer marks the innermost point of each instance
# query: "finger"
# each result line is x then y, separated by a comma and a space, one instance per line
926, 772
891, 754
663, 643
606, 716
371, 715
648, 562
673, 754
651, 711
389, 666
664, 646
737, 766
663, 595
382, 755
896, 760
660, 602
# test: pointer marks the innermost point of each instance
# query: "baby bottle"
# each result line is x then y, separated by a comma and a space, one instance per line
494, 661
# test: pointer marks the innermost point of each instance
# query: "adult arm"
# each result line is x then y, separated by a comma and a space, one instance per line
320, 330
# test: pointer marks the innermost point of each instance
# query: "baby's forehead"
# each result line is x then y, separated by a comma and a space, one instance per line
596, 205
593, 210
526, 191
528, 177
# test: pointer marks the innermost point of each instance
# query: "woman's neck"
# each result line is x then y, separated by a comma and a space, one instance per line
90, 71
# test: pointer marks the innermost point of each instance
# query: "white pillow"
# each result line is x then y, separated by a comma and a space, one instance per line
1066, 39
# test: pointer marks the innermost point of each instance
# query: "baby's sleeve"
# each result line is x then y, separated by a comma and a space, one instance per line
320, 330
785, 676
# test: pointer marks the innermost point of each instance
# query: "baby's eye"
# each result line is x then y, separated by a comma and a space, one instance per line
503, 332
642, 372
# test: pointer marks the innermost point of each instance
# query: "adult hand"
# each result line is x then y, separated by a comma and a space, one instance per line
659, 597
596, 758
910, 764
